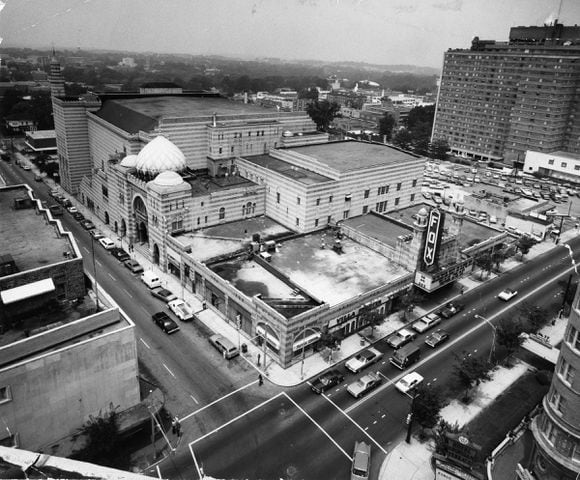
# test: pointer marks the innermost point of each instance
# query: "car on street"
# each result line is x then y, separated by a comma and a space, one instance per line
409, 382
507, 294
326, 381
426, 322
96, 234
364, 384
181, 309
363, 359
107, 243
26, 167
72, 209
78, 216
361, 461
133, 265
163, 294
56, 210
400, 338
38, 178
87, 224
164, 322
451, 309
437, 338
120, 254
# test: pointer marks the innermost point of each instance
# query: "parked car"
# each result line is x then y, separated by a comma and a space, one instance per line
181, 309
364, 384
96, 234
426, 322
451, 309
107, 243
164, 322
507, 294
56, 210
78, 216
326, 381
163, 294
400, 338
409, 382
363, 359
133, 265
437, 338
38, 178
87, 224
120, 254
72, 209
26, 167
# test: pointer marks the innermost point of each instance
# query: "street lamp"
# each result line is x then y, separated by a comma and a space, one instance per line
95, 272
410, 416
494, 330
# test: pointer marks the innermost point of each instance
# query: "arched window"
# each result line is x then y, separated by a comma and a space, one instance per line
222, 213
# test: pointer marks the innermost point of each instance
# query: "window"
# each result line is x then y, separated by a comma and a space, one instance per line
328, 219
573, 338
105, 191
232, 149
556, 401
220, 150
330, 199
412, 197
551, 161
297, 221
198, 220
222, 213
278, 198
317, 201
298, 200
5, 394
365, 209
347, 198
564, 164
316, 222
396, 201
566, 371
415, 182
177, 225
367, 193
399, 186
345, 214
205, 219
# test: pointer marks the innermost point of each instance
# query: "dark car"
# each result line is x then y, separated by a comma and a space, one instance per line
437, 338
451, 309
164, 322
327, 381
163, 294
87, 224
78, 216
133, 265
120, 254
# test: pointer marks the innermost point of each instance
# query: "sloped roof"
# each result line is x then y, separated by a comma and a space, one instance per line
125, 118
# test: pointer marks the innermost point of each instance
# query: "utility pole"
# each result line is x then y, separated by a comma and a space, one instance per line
409, 420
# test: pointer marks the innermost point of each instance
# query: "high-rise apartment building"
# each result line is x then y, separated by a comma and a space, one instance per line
556, 453
497, 100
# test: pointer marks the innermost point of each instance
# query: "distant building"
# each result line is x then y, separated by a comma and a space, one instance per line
497, 100
41, 141
61, 360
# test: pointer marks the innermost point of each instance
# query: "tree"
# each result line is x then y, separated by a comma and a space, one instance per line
403, 139
439, 149
470, 371
406, 303
484, 263
322, 113
386, 124
421, 145
427, 404
508, 334
372, 318
524, 243
533, 317
310, 93
440, 433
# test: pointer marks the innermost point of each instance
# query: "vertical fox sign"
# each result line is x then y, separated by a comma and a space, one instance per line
432, 240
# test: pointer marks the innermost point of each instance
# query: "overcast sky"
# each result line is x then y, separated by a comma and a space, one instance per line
413, 32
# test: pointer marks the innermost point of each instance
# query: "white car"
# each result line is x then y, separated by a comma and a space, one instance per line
107, 243
400, 338
364, 384
181, 309
363, 359
409, 382
426, 322
507, 294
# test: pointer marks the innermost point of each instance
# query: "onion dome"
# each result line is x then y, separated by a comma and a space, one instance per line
168, 179
130, 161
160, 155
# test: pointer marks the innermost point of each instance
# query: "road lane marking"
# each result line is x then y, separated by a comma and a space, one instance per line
127, 293
114, 279
218, 400
86, 250
224, 425
193, 398
198, 468
98, 263
344, 412
167, 368
145, 343
318, 426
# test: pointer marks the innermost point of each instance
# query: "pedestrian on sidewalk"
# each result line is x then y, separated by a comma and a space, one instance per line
174, 425
260, 379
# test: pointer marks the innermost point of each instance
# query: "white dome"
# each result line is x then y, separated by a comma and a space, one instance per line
160, 155
168, 179
423, 212
130, 161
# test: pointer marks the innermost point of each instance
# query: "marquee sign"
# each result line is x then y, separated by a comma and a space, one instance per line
432, 241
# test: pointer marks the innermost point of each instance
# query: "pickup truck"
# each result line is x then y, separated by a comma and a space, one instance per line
400, 338
181, 309
363, 359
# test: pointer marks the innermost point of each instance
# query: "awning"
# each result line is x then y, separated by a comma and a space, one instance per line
304, 342
269, 337
29, 290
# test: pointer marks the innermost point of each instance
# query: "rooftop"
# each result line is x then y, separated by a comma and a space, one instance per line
295, 173
206, 184
345, 156
383, 229
41, 134
570, 155
32, 242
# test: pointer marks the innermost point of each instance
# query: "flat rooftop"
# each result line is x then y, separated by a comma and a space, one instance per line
26, 235
293, 172
41, 134
229, 237
470, 232
205, 184
351, 155
570, 155
383, 229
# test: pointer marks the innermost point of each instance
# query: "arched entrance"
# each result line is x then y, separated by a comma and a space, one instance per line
156, 254
141, 221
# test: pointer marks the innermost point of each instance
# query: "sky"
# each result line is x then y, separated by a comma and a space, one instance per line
413, 32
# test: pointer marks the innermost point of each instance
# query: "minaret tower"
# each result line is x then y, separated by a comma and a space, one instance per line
56, 78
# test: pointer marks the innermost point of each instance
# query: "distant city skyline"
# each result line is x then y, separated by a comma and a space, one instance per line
411, 32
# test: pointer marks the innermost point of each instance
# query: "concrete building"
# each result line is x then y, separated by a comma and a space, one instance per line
558, 165
41, 141
61, 358
497, 100
556, 430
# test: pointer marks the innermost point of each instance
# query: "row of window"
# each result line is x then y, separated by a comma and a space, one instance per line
566, 444
259, 133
